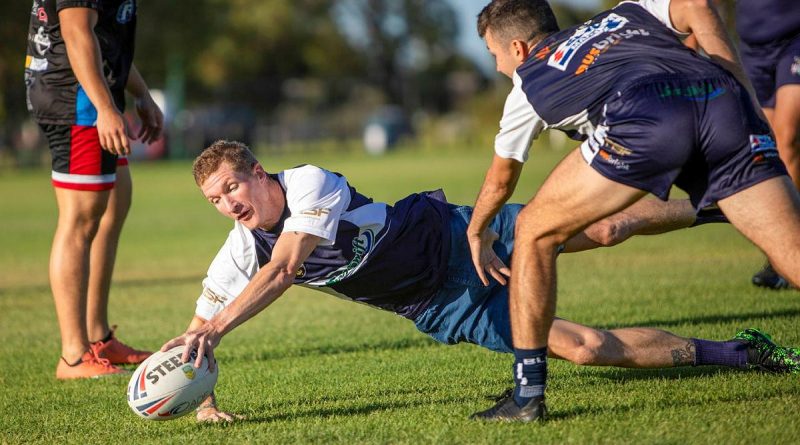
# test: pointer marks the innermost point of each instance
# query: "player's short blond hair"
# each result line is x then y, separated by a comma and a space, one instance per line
236, 154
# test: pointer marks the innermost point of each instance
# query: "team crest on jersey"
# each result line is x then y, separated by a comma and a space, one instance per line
125, 12
567, 50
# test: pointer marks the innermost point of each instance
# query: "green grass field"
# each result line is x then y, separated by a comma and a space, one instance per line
312, 368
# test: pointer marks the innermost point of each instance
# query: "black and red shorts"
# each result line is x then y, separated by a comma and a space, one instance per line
79, 162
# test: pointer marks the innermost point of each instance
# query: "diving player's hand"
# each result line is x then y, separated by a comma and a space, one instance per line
213, 415
152, 119
204, 339
485, 260
113, 131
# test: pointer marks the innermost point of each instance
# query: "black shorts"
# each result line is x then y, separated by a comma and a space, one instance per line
699, 133
79, 162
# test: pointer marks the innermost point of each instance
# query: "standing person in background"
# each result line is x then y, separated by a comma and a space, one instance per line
79, 63
769, 45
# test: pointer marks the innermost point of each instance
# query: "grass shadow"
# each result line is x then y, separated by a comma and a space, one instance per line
708, 319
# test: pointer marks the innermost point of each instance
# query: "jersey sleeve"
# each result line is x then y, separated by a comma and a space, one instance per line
519, 126
660, 10
316, 199
232, 269
63, 4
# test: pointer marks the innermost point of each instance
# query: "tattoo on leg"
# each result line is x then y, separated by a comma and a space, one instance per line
685, 356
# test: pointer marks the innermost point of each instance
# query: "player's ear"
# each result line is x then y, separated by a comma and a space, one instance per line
520, 49
258, 171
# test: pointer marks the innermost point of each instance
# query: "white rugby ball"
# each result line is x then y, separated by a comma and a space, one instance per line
164, 388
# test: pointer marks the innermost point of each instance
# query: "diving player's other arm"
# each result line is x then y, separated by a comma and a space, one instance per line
83, 50
700, 18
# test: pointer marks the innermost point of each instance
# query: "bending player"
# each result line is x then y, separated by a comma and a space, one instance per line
308, 226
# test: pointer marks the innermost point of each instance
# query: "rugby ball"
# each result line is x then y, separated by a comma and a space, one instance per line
165, 388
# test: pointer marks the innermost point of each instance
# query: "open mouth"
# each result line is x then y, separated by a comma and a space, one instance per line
245, 216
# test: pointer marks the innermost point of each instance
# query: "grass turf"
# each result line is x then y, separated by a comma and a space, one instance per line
312, 368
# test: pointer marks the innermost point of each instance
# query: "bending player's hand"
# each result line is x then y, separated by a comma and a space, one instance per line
152, 119
485, 260
112, 131
203, 339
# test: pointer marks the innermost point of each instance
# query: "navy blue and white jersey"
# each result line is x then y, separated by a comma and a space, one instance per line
760, 22
54, 95
390, 257
573, 73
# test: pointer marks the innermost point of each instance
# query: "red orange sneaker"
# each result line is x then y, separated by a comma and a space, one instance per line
89, 366
118, 353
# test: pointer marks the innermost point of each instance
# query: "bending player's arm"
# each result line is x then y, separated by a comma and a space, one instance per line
700, 18
269, 283
498, 186
83, 50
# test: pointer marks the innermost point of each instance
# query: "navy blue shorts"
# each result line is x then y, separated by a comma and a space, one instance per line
699, 133
771, 66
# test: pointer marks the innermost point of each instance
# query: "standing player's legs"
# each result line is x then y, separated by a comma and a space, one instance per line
103, 255
83, 176
768, 214
79, 213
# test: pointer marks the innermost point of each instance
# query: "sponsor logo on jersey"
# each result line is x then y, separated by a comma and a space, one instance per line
605, 44
35, 63
795, 69
567, 50
125, 12
362, 246
41, 14
315, 213
42, 41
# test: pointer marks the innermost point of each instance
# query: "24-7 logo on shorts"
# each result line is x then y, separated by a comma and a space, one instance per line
567, 50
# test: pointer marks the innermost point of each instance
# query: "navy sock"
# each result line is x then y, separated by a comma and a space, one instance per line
530, 374
723, 353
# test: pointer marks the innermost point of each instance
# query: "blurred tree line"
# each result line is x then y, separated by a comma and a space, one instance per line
282, 70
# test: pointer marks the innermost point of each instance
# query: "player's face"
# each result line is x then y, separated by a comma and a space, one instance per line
503, 54
253, 199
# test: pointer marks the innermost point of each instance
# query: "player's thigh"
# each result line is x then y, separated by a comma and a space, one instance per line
767, 213
573, 196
